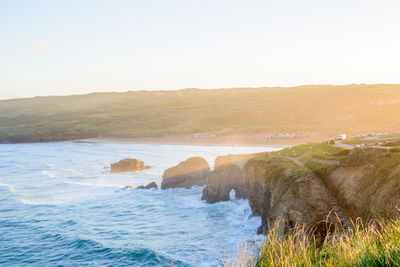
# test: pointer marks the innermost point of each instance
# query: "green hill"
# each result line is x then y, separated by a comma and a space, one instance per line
320, 109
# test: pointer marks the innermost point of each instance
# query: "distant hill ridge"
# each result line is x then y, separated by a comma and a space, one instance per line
325, 109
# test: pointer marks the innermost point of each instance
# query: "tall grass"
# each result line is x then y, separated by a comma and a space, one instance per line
375, 244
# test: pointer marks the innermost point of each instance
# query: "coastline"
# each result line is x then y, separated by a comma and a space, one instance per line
239, 140
270, 139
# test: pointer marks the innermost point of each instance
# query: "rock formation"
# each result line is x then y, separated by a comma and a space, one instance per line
128, 165
193, 171
284, 191
368, 184
226, 176
149, 186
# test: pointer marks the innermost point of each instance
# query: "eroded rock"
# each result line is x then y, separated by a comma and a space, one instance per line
149, 186
226, 176
285, 194
128, 165
191, 172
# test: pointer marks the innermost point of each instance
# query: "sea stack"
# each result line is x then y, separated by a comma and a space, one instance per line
128, 165
193, 171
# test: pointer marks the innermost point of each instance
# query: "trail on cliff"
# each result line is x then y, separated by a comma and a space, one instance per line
337, 208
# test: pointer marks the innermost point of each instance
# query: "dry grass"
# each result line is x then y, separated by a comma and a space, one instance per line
375, 244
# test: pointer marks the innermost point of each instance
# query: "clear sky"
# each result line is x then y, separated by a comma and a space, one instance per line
65, 47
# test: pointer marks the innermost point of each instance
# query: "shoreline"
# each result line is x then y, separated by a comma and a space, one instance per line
227, 140
238, 140
156, 142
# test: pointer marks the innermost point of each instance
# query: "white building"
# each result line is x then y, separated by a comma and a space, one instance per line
342, 136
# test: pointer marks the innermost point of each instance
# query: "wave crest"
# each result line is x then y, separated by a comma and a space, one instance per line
95, 185
8, 187
48, 174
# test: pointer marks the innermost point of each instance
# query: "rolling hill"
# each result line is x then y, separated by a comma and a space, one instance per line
324, 109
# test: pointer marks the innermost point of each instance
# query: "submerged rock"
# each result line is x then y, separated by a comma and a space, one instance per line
128, 187
128, 165
193, 171
149, 186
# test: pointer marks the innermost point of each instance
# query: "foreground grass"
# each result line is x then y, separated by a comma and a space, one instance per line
373, 245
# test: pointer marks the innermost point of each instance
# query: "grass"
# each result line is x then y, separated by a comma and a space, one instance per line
381, 139
305, 153
323, 109
376, 244
296, 151
322, 151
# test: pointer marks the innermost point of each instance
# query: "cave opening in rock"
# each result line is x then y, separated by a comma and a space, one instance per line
232, 194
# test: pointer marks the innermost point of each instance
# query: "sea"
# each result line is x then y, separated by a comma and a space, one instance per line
61, 206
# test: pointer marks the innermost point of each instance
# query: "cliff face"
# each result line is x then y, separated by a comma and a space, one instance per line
283, 189
226, 176
280, 190
276, 188
368, 184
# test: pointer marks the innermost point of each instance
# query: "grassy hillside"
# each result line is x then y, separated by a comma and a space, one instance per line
362, 185
304, 109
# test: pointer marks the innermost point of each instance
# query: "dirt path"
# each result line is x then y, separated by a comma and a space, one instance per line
342, 145
325, 161
340, 212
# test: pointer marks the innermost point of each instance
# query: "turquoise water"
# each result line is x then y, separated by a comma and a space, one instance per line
59, 205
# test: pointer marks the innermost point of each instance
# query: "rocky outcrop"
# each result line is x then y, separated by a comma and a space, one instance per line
281, 192
149, 186
286, 191
128, 165
226, 176
193, 171
368, 184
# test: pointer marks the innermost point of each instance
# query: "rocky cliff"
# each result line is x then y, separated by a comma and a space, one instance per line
193, 171
280, 190
368, 184
226, 176
289, 189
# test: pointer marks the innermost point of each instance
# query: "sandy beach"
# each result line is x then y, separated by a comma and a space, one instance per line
223, 140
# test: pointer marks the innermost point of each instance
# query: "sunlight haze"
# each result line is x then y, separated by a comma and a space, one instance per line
76, 47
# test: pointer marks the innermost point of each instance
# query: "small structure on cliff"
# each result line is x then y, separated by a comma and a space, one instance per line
193, 171
128, 165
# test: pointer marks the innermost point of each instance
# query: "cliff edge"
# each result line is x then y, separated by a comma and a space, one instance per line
310, 184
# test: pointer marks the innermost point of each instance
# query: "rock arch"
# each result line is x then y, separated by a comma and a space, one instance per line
227, 176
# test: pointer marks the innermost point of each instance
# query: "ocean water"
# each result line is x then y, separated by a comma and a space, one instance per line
59, 205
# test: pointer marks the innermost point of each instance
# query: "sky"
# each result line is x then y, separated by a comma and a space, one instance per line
68, 47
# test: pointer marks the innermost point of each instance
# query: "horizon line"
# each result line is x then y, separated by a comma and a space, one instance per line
196, 88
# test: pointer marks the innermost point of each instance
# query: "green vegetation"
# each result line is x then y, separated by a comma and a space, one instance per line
323, 158
296, 151
380, 139
322, 109
372, 245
